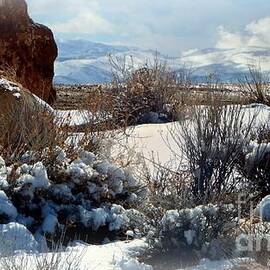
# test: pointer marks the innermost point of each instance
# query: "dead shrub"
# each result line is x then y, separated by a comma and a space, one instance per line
28, 126
212, 142
146, 94
256, 85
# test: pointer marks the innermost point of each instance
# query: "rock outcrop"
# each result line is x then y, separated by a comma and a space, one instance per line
27, 48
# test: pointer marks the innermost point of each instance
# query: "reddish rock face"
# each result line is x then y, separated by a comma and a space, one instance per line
27, 48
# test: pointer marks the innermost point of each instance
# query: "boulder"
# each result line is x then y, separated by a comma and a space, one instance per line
28, 49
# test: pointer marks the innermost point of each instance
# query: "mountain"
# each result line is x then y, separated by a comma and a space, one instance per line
86, 62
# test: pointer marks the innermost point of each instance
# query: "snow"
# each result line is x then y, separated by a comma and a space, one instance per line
217, 265
91, 64
15, 237
6, 207
117, 256
72, 117
115, 217
263, 209
87, 158
79, 170
257, 153
112, 256
37, 176
15, 89
7, 85
49, 224
189, 235
3, 173
155, 144
146, 141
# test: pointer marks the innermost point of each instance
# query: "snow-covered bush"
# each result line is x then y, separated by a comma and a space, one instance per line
81, 191
203, 230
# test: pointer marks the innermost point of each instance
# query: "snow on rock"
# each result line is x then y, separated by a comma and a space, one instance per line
263, 209
9, 86
15, 237
7, 211
18, 92
3, 173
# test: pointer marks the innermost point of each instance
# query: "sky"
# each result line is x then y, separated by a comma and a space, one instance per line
169, 26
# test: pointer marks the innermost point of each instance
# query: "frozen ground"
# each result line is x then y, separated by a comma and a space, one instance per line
112, 256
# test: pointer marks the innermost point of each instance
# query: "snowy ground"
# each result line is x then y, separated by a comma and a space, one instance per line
154, 143
144, 142
112, 256
79, 256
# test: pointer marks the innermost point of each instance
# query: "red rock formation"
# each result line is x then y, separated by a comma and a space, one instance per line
28, 48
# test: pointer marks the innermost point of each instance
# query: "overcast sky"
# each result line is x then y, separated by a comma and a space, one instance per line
170, 26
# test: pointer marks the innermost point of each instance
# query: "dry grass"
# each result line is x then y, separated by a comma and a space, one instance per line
28, 126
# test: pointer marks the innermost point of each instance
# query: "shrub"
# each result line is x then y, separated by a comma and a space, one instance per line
83, 194
212, 143
168, 189
254, 166
256, 85
201, 232
254, 241
146, 94
27, 124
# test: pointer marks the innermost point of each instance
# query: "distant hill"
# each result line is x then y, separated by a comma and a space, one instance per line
86, 62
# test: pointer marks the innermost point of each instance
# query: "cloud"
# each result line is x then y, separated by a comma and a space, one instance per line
84, 23
228, 39
170, 26
256, 34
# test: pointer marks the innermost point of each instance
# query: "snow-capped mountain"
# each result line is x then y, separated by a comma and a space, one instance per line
81, 61
86, 62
